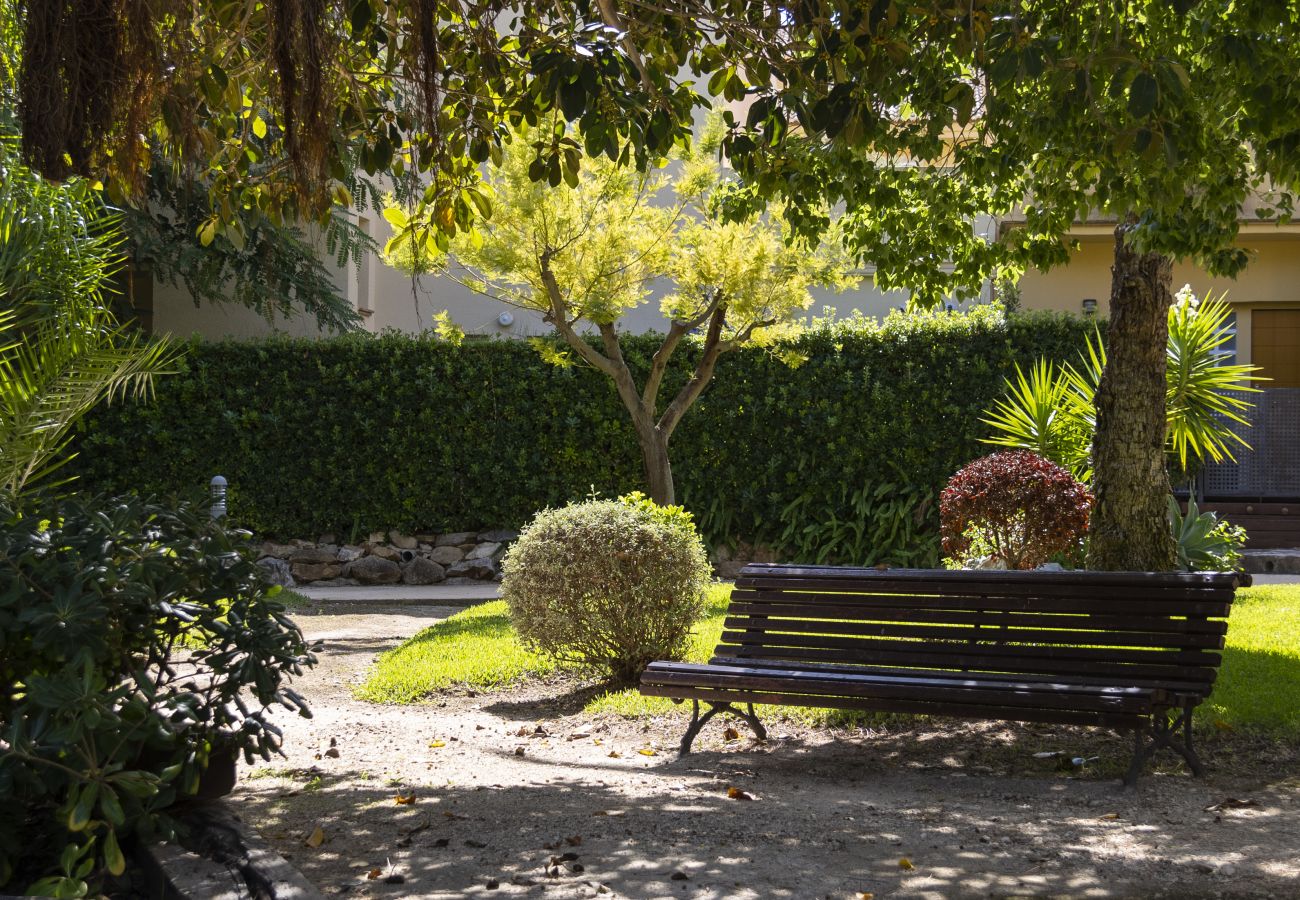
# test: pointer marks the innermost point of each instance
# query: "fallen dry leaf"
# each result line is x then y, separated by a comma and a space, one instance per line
906, 864
731, 734
316, 838
1231, 803
866, 895
1222, 725
374, 873
735, 793
574, 841
1111, 816
451, 815
436, 744
404, 799
609, 812
646, 751
614, 754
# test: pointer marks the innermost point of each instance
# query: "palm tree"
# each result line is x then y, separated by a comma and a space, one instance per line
62, 351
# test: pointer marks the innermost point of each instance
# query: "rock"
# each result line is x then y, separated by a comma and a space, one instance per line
350, 552
377, 537
327, 538
277, 571
990, 562
314, 555
279, 551
499, 536
455, 540
445, 556
337, 582
484, 551
426, 538
482, 569
402, 541
374, 570
383, 551
299, 542
422, 571
1050, 567
308, 571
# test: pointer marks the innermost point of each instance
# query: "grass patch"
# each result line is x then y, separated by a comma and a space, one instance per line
1259, 684
292, 599
476, 647
1258, 687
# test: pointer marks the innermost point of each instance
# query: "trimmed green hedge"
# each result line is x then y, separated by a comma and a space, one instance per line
839, 459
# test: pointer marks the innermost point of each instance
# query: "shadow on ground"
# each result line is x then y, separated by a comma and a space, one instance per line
831, 820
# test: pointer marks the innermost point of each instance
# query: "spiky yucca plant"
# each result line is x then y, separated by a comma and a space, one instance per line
1052, 410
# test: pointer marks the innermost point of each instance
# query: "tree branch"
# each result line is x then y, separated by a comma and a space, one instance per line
610, 15
561, 322
659, 362
713, 348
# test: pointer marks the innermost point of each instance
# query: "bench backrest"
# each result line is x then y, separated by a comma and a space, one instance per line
1156, 629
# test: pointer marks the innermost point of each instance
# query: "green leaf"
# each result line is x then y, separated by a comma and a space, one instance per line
1143, 94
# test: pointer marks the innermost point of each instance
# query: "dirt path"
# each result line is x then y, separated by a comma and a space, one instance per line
523, 795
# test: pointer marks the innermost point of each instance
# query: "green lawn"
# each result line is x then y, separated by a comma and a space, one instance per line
1259, 686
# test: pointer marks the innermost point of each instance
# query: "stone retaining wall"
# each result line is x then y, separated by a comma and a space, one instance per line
389, 558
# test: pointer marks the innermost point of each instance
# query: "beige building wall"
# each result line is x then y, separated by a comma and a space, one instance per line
1271, 279
390, 299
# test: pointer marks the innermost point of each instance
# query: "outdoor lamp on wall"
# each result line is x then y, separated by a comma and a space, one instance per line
1089, 306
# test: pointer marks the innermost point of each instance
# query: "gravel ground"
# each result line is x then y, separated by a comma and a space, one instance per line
519, 793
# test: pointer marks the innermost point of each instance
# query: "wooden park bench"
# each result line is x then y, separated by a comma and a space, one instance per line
1129, 650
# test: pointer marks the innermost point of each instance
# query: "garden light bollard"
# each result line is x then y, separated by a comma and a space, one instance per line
218, 488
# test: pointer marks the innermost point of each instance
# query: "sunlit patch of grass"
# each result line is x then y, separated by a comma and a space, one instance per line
476, 647
1259, 684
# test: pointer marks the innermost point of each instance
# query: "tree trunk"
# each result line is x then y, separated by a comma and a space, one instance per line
658, 468
1130, 527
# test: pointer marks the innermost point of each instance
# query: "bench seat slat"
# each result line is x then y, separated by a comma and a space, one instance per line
972, 615
777, 629
965, 686
1182, 686
1008, 663
981, 646
1027, 602
1114, 719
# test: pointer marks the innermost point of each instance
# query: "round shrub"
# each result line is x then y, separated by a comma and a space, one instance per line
1018, 507
610, 585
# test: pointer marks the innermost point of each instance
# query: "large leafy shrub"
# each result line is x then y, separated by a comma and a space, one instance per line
839, 460
135, 642
1023, 508
610, 585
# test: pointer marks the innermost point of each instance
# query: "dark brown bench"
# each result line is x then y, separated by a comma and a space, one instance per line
1128, 650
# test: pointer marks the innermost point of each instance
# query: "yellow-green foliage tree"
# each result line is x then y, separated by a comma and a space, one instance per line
586, 252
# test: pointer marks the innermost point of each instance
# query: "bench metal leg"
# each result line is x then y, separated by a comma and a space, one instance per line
1163, 730
698, 721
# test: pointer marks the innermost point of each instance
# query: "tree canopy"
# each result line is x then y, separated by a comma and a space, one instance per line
585, 254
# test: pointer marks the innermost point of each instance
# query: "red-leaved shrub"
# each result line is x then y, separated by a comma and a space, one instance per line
1021, 507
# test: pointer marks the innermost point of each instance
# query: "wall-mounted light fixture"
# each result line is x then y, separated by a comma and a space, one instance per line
1089, 306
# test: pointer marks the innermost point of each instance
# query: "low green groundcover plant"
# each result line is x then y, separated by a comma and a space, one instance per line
1258, 688
137, 643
